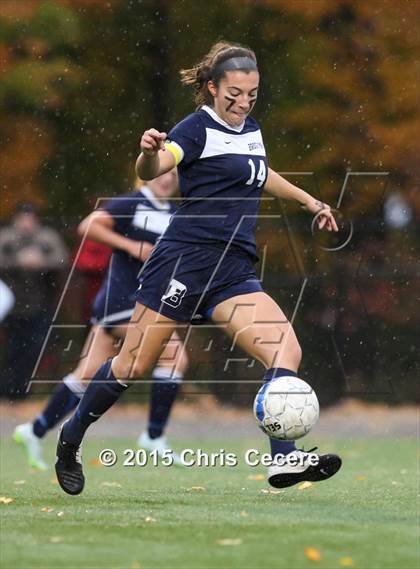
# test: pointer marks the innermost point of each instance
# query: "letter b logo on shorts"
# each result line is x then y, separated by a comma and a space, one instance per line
174, 294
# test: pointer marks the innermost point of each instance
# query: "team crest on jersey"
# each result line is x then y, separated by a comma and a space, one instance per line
255, 145
174, 293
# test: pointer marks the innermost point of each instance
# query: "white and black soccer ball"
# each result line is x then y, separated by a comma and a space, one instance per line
286, 408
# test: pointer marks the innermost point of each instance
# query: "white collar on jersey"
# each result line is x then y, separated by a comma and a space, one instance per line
147, 192
216, 117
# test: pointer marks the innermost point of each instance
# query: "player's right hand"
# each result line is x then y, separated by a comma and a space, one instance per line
152, 141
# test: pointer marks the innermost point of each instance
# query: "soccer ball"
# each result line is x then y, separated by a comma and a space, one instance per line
286, 408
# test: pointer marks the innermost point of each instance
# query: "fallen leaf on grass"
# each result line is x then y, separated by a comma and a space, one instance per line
395, 483
5, 500
47, 509
236, 541
346, 561
59, 514
312, 554
56, 539
54, 480
196, 489
244, 514
305, 485
256, 477
135, 565
95, 462
149, 519
111, 484
19, 482
360, 477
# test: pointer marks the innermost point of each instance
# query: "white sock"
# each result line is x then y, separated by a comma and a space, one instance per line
168, 373
75, 385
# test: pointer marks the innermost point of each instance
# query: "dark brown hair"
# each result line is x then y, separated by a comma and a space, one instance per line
202, 72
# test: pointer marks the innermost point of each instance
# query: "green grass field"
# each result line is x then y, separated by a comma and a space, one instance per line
178, 517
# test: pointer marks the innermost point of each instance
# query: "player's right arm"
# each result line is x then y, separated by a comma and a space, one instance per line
99, 226
155, 159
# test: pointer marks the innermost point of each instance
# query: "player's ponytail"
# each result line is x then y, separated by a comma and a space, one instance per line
210, 67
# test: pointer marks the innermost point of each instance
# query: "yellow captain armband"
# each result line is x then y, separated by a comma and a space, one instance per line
175, 150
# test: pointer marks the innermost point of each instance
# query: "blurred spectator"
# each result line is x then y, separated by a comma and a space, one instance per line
30, 256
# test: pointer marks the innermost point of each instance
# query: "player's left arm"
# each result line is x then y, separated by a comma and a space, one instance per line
278, 186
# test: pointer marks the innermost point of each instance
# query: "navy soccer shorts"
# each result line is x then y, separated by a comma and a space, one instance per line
185, 282
113, 304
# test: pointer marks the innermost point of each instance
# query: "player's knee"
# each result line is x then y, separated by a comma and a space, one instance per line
139, 369
128, 370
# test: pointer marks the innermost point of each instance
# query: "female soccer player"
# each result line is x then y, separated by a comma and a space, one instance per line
203, 264
130, 224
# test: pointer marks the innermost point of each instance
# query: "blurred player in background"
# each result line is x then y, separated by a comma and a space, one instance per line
130, 224
204, 261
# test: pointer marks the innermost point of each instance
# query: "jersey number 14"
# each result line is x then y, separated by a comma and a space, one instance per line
261, 175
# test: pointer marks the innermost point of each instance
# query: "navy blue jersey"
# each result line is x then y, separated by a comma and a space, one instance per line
222, 171
138, 216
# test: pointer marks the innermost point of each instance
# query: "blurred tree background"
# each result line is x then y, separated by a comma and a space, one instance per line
80, 80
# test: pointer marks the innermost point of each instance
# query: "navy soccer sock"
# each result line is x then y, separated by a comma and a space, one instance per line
61, 402
277, 446
163, 393
102, 392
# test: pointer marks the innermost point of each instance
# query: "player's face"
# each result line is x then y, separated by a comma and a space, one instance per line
165, 185
235, 95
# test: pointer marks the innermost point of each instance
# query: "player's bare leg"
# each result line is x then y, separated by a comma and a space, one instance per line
258, 325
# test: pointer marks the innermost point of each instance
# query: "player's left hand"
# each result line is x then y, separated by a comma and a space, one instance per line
324, 216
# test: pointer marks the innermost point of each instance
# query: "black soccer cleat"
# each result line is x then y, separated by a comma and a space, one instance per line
68, 466
285, 475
